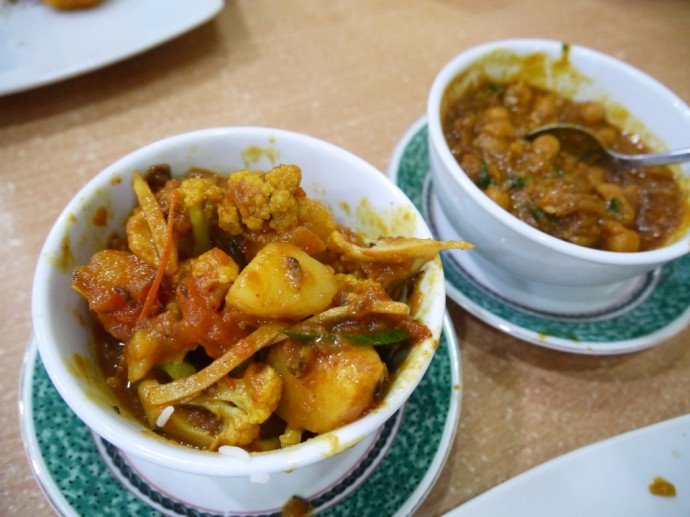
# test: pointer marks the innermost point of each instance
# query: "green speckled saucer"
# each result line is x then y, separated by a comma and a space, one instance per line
655, 313
78, 481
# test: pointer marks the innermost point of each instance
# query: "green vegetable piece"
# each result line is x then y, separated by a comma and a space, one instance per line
614, 206
200, 230
178, 370
540, 215
380, 338
518, 182
484, 179
302, 336
536, 212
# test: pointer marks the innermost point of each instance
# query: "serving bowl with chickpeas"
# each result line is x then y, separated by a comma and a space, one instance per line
549, 221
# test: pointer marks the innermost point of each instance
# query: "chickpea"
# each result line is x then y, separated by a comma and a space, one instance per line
616, 237
588, 240
491, 144
544, 109
517, 96
591, 113
517, 147
617, 204
499, 129
596, 175
495, 113
607, 135
499, 197
608, 190
472, 165
546, 145
497, 173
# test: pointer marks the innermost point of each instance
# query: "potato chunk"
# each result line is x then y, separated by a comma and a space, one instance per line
283, 281
325, 387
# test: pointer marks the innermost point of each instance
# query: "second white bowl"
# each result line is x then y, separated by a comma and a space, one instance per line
517, 255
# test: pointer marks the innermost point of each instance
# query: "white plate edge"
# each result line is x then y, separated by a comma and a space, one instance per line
613, 443
212, 9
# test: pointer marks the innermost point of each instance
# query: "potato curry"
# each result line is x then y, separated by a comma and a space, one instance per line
235, 310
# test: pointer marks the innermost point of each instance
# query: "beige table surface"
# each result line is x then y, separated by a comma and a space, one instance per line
354, 73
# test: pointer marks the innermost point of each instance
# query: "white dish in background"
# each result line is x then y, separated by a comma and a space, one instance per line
41, 45
609, 478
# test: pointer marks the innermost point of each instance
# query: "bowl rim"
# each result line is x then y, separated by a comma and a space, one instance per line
127, 435
523, 46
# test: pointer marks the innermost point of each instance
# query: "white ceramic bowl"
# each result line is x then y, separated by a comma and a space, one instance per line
358, 194
520, 258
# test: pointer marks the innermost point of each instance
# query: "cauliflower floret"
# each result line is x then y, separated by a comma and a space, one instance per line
315, 216
233, 410
201, 197
200, 190
214, 271
256, 199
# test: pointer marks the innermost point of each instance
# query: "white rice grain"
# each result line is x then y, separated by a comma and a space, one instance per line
234, 452
164, 416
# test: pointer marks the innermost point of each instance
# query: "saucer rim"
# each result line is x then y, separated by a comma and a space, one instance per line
60, 504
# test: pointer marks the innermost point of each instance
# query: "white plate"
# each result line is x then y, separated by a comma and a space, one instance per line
610, 478
655, 311
40, 45
390, 474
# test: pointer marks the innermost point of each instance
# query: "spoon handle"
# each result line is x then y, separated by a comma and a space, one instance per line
630, 161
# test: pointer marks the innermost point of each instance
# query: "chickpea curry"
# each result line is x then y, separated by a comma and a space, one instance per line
548, 184
235, 310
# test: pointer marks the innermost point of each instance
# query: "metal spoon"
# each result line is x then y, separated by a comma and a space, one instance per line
588, 146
